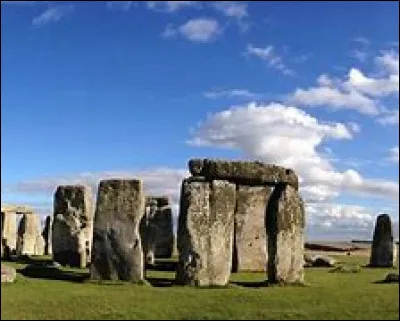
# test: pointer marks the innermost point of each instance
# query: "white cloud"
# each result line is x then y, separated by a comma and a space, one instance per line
290, 137
52, 14
268, 54
171, 6
389, 60
390, 118
334, 98
232, 93
372, 86
120, 5
360, 55
200, 30
394, 154
235, 9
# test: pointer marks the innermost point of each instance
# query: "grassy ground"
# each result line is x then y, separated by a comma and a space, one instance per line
326, 296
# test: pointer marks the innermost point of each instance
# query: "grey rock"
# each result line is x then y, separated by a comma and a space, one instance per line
250, 240
323, 261
29, 241
205, 233
246, 173
117, 249
392, 278
72, 226
285, 226
383, 246
9, 233
8, 274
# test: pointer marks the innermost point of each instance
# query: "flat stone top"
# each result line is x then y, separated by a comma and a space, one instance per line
244, 172
23, 209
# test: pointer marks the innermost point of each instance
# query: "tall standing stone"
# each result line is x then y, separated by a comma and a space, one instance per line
250, 240
9, 233
383, 246
285, 225
47, 235
205, 232
117, 249
28, 242
72, 225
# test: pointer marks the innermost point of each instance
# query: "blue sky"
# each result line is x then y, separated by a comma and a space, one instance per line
93, 90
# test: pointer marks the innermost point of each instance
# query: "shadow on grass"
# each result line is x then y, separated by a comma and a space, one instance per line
251, 284
39, 271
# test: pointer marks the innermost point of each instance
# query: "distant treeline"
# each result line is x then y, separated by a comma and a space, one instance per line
367, 242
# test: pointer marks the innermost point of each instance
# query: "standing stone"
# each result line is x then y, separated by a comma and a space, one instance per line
157, 229
28, 235
285, 225
382, 244
9, 233
117, 249
205, 232
250, 240
72, 225
47, 235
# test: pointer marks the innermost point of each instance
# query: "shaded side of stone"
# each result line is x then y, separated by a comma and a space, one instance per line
117, 249
383, 246
72, 226
285, 228
46, 233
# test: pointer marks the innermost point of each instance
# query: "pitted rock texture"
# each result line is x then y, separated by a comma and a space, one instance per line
9, 233
241, 172
117, 249
72, 226
205, 232
29, 240
285, 221
250, 240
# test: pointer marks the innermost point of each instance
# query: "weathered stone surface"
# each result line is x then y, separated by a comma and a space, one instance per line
8, 233
205, 233
382, 244
46, 234
241, 172
117, 249
157, 229
285, 226
250, 239
8, 274
72, 225
29, 240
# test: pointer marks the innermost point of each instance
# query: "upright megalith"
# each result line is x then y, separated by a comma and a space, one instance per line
205, 232
157, 228
117, 250
383, 246
285, 225
268, 216
250, 240
8, 233
29, 240
46, 234
72, 226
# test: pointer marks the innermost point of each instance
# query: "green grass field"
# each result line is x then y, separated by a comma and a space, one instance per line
326, 296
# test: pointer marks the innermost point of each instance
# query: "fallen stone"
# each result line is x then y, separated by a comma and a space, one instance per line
323, 261
8, 274
117, 249
392, 278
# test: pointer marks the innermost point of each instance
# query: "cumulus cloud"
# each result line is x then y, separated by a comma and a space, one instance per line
170, 6
201, 30
232, 93
288, 136
357, 91
390, 117
268, 54
52, 14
